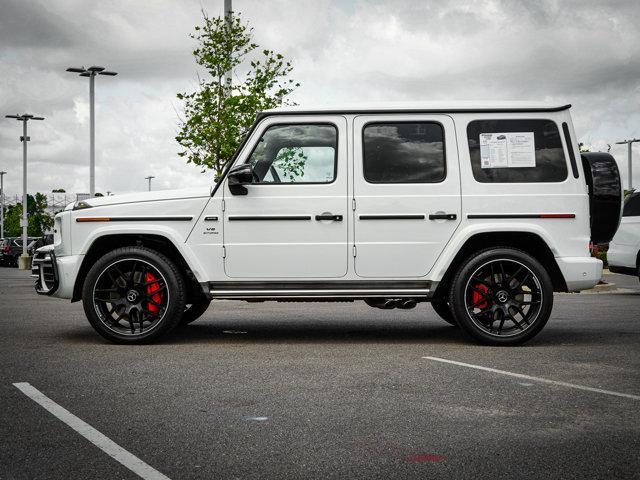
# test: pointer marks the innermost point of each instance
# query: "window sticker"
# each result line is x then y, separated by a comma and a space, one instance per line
507, 150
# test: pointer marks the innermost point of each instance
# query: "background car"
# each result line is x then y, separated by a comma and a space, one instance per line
12, 249
624, 250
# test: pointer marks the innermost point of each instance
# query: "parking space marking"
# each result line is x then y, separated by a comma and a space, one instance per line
101, 441
536, 379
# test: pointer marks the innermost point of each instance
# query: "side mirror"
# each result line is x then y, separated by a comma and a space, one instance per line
239, 176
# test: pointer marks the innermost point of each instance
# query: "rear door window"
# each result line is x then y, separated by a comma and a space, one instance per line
403, 152
516, 151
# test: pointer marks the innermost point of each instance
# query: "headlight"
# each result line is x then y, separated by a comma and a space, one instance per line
62, 234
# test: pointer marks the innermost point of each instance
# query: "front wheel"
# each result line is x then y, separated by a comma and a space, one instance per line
501, 296
133, 295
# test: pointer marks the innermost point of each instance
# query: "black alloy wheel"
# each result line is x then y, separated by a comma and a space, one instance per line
133, 295
502, 296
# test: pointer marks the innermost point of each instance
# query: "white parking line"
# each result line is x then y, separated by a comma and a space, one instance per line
536, 379
104, 443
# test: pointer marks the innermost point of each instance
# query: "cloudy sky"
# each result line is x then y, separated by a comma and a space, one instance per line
584, 52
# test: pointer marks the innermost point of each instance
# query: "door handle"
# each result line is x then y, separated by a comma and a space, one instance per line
443, 216
329, 216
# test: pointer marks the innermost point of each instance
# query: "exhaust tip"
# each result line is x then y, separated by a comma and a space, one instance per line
406, 304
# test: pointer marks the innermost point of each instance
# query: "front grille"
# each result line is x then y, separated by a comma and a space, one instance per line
43, 269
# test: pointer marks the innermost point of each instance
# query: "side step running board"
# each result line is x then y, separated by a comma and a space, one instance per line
357, 290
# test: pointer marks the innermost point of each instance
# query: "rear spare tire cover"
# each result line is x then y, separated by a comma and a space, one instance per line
605, 194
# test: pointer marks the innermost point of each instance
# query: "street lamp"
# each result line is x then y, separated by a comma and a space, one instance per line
23, 262
91, 72
228, 10
149, 178
2, 174
629, 154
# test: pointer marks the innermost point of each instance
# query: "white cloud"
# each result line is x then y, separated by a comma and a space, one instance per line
585, 52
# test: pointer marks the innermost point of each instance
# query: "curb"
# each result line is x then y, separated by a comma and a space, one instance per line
602, 288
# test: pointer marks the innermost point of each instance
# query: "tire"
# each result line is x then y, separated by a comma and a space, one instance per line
194, 311
441, 307
134, 295
605, 194
501, 296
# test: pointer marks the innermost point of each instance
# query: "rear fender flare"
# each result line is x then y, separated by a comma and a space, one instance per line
464, 234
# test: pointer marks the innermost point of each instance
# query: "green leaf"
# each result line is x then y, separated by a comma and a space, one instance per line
215, 118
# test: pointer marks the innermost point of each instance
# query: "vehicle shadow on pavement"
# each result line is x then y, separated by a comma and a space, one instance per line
345, 332
341, 332
553, 335
208, 332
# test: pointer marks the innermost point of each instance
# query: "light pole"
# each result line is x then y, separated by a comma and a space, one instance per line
149, 178
228, 8
91, 72
23, 261
629, 155
2, 174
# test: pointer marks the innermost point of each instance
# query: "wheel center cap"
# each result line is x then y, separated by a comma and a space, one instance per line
132, 296
502, 296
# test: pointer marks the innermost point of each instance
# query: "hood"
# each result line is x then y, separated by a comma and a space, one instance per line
146, 197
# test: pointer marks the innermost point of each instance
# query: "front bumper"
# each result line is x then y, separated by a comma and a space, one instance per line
580, 273
620, 255
45, 270
55, 275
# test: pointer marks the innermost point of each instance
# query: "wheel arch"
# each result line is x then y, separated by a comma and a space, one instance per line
108, 242
529, 242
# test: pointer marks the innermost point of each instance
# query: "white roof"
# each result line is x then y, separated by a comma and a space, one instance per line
424, 106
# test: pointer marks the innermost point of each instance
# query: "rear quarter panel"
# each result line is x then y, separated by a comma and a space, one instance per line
565, 237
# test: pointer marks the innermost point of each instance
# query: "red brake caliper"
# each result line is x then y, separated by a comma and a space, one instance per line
153, 287
476, 296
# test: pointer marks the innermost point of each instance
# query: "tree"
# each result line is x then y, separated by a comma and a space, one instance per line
58, 190
217, 115
39, 220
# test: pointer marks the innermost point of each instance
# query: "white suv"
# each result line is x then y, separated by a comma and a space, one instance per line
624, 250
484, 211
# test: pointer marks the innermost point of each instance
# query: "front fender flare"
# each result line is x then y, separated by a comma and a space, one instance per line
159, 230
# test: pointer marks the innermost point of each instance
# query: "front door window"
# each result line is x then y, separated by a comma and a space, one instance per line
296, 154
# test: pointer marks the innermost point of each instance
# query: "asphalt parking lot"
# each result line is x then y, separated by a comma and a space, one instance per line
280, 390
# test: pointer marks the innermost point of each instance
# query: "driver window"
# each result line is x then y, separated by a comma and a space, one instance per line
296, 154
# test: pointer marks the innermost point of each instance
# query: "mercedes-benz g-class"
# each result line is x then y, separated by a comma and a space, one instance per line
482, 210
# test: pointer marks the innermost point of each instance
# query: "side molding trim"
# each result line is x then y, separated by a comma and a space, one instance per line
133, 219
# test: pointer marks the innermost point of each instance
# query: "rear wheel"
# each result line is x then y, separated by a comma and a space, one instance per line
501, 296
133, 295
